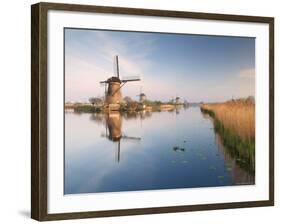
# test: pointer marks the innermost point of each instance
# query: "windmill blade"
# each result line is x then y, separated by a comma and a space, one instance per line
103, 82
131, 78
125, 137
116, 66
118, 151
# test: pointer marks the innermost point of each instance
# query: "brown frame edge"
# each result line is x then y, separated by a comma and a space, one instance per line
39, 110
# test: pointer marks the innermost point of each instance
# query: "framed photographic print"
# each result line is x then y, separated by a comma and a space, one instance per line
139, 111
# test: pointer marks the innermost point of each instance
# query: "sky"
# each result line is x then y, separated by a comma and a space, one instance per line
193, 67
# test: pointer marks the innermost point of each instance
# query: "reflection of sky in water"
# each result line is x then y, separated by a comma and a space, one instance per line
175, 151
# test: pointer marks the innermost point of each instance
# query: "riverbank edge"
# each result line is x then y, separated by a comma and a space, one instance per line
151, 108
244, 150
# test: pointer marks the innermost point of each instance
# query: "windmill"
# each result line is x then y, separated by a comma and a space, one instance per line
177, 100
113, 131
112, 87
142, 96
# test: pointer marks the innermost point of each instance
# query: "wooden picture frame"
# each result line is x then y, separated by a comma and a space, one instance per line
39, 109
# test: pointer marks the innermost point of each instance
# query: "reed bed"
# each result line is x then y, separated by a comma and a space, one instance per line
235, 122
237, 116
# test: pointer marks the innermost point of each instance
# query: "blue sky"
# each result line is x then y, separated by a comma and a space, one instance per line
193, 67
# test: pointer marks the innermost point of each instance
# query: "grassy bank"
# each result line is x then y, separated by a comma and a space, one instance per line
125, 107
234, 121
87, 109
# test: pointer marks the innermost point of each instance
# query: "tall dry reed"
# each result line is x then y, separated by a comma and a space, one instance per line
238, 116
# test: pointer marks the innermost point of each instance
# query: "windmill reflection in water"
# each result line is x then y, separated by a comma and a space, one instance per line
113, 131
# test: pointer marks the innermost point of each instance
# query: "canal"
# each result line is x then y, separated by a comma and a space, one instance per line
146, 151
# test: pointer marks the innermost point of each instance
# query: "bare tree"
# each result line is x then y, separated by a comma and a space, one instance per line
95, 101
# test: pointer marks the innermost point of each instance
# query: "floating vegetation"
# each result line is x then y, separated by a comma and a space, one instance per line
212, 168
241, 161
177, 148
228, 167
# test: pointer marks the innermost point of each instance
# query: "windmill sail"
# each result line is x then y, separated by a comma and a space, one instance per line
131, 78
114, 66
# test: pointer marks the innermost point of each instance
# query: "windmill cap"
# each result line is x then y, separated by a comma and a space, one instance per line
114, 79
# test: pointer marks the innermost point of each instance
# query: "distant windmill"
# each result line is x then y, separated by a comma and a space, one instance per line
142, 96
177, 100
113, 86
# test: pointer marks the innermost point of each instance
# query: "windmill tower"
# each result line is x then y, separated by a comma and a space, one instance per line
142, 96
113, 87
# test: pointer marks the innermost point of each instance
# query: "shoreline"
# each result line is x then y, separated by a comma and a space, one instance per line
242, 149
87, 108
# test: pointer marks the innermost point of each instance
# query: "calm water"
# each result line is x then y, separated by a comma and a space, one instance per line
146, 151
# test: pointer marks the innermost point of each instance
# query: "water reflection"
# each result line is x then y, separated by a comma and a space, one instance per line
113, 130
145, 151
238, 174
178, 108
